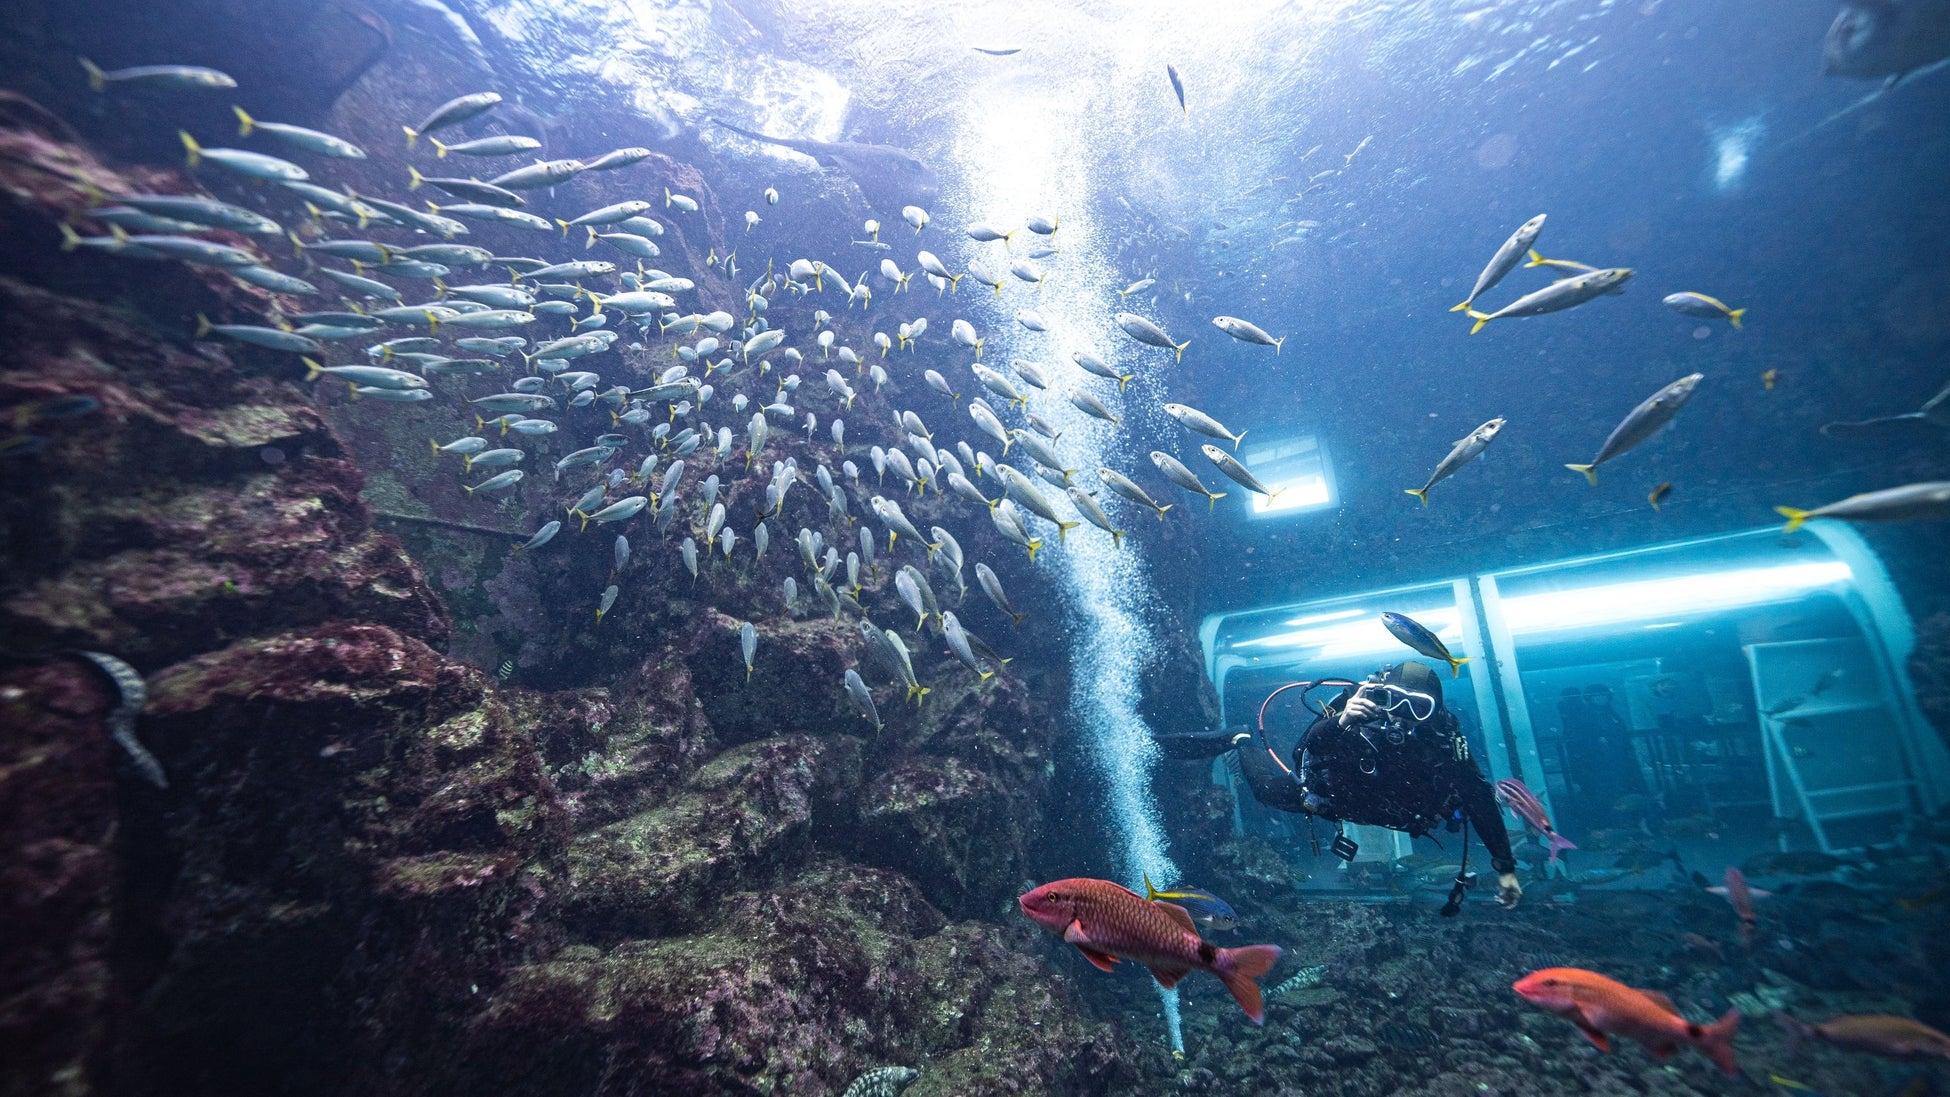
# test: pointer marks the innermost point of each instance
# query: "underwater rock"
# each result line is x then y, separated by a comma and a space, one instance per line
796, 683
58, 877
743, 820
948, 826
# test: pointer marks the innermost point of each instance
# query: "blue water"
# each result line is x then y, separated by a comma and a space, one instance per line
1338, 175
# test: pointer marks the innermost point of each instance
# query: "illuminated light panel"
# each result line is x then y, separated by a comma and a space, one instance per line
1298, 472
1322, 618
1675, 596
1367, 636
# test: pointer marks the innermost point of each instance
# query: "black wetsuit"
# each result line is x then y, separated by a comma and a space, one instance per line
1415, 782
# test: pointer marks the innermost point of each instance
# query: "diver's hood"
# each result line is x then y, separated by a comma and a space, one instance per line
1416, 676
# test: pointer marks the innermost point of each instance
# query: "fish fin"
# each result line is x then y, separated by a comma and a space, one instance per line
1795, 517
1238, 968
1464, 307
1481, 318
1063, 530
202, 325
915, 693
1180, 348
193, 151
1660, 999
1716, 1040
1598, 1039
1033, 546
1168, 977
592, 237
70, 239
1734, 316
1590, 472
1536, 260
1559, 843
1151, 893
1178, 915
414, 178
1455, 666
565, 227
1419, 493
1236, 439
245, 123
1102, 961
412, 136
1019, 618
313, 369
434, 442
1117, 538
97, 79
1278, 343
1212, 499
440, 150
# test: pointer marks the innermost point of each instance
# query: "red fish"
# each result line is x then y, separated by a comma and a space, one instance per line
1872, 1034
1742, 897
1108, 922
1518, 798
1598, 1005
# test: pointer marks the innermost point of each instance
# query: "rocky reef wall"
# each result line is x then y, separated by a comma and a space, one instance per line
378, 869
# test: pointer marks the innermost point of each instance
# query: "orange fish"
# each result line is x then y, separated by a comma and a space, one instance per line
1598, 1005
1874, 1034
1742, 897
1108, 922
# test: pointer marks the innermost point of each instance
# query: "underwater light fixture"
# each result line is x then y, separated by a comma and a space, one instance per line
1297, 470
1323, 618
1675, 596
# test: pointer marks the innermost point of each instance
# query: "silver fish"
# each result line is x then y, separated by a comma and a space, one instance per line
1928, 500
1150, 334
1237, 471
1464, 451
992, 586
1177, 473
1641, 423
862, 697
1559, 295
748, 645
1504, 261
542, 536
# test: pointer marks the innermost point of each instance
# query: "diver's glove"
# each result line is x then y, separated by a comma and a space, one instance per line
1313, 803
1508, 890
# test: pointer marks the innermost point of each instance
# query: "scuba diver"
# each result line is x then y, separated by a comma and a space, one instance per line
1383, 752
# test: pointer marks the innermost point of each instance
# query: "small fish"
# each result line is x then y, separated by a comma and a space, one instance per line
1205, 908
1177, 473
771, 196
1926, 500
1150, 334
1237, 472
1178, 89
1086, 401
1108, 922
986, 578
682, 201
1505, 260
748, 645
1882, 1035
857, 691
500, 482
1641, 423
1461, 453
310, 140
498, 145
1742, 898
905, 663
370, 376
1091, 363
1767, 379
1197, 420
1557, 296
1699, 304
1599, 1006
1247, 333
1125, 487
689, 551
609, 599
452, 113
542, 536
255, 165
1659, 494
162, 76
1516, 796
1413, 633
1138, 286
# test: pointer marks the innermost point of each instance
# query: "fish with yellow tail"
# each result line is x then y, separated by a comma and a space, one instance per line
1205, 908
1417, 636
1558, 296
1505, 260
1108, 922
1707, 308
1463, 452
1175, 471
1641, 423
1237, 471
1150, 334
1929, 499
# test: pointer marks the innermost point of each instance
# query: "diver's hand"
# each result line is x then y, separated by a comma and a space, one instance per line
1359, 710
1508, 891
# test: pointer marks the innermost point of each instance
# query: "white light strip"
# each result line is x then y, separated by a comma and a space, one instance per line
1672, 596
